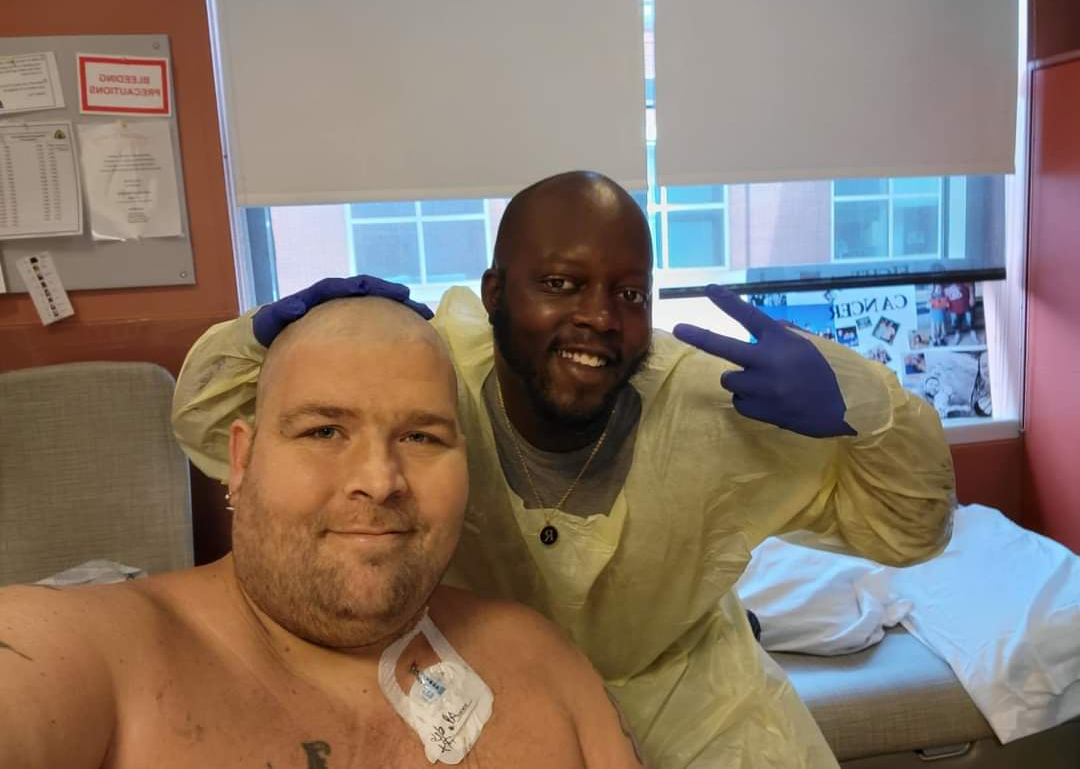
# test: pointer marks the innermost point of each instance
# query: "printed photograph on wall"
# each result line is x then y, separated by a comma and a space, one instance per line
957, 384
848, 335
949, 315
932, 337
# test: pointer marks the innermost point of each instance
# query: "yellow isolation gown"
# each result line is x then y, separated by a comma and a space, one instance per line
645, 590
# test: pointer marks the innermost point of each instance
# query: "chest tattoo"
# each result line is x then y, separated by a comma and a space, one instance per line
316, 754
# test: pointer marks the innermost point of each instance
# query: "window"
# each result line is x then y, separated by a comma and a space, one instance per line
783, 233
883, 218
689, 224
790, 231
421, 243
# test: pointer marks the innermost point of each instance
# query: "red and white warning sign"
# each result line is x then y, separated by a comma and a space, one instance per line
123, 85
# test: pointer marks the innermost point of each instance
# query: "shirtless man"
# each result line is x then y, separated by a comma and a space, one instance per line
349, 492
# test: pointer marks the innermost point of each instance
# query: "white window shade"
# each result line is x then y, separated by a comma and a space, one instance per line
332, 101
778, 90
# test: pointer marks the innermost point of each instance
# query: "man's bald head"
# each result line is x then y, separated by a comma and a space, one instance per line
566, 197
356, 321
572, 271
350, 489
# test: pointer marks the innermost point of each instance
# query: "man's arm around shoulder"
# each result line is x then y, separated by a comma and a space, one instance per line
57, 699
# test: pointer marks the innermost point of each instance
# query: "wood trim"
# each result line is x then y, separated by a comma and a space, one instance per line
1050, 61
162, 341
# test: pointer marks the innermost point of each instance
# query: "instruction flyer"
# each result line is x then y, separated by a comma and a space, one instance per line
39, 181
29, 81
130, 179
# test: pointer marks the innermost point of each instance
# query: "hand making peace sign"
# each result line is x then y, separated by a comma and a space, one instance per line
784, 380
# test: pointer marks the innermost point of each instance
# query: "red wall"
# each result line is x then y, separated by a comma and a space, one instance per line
1053, 28
989, 473
1052, 392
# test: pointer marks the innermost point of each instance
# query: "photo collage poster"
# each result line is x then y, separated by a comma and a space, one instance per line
933, 337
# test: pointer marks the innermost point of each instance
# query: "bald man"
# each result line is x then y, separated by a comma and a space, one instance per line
323, 640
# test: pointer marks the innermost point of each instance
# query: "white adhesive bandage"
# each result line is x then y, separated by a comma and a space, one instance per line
448, 703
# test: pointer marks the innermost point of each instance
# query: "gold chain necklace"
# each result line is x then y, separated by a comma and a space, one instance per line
548, 534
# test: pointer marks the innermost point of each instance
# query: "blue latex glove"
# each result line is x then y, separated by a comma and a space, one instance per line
785, 381
268, 322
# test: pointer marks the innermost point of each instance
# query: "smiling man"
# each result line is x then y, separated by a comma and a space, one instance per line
324, 639
619, 478
568, 301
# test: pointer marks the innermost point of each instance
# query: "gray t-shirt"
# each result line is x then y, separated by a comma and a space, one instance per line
554, 471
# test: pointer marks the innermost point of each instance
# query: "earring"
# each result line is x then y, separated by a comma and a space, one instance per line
228, 502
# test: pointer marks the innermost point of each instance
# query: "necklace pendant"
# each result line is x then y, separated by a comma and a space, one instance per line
549, 535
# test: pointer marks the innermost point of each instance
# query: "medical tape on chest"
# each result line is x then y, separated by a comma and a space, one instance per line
447, 704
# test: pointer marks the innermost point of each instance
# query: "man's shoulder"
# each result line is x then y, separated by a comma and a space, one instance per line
535, 670
466, 606
494, 626
514, 644
85, 606
95, 616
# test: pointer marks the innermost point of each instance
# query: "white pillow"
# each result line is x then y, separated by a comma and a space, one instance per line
816, 602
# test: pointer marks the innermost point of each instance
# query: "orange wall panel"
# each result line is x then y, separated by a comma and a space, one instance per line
990, 473
1052, 397
163, 317
1053, 28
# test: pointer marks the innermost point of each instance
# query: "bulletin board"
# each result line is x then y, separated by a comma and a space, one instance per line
81, 261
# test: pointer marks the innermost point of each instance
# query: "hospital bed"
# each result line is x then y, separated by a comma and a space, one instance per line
970, 660
897, 705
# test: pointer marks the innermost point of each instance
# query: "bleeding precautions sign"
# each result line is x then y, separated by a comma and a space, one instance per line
122, 85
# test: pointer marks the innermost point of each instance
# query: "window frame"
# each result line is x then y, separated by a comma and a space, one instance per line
889, 197
658, 209
425, 290
952, 193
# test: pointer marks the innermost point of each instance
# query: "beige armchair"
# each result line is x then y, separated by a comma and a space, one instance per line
89, 469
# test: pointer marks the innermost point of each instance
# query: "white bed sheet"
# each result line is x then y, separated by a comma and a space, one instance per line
1001, 605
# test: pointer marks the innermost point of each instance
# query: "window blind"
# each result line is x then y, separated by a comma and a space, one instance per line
328, 101
780, 90
862, 142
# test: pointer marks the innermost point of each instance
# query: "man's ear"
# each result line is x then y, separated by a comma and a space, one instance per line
241, 438
491, 285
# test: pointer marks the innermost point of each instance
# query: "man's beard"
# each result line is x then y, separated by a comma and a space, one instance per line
538, 383
309, 593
